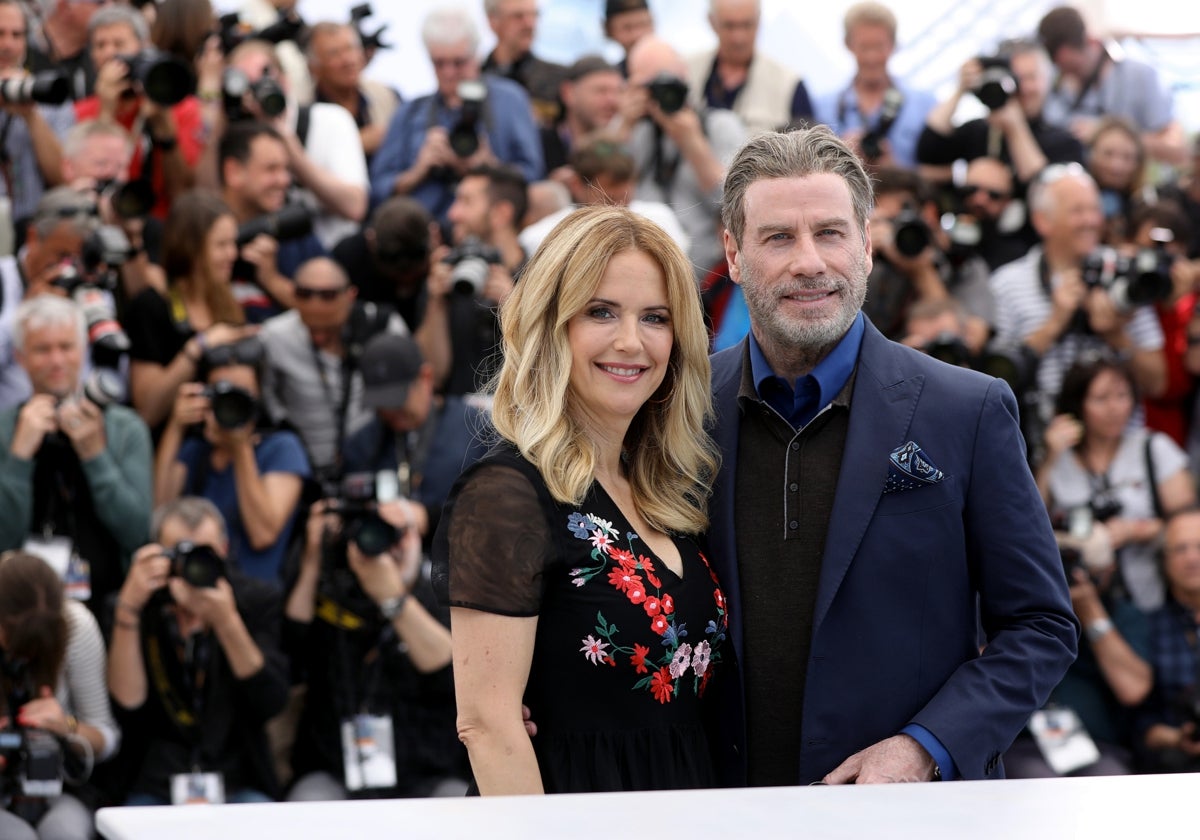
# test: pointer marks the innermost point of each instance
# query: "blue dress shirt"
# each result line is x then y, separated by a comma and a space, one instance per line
840, 112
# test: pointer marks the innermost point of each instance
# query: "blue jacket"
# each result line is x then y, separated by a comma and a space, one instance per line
895, 627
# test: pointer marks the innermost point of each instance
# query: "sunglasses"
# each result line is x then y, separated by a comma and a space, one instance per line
247, 351
327, 295
994, 195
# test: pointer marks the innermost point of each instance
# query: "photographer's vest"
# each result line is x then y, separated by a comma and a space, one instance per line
765, 101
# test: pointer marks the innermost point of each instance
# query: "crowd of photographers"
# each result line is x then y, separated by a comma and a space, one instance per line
249, 298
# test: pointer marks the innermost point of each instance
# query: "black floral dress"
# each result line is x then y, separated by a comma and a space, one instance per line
625, 649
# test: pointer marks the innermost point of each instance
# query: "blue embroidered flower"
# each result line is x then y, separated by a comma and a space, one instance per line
673, 634
580, 526
717, 633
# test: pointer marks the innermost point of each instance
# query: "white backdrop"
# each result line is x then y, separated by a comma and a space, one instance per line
935, 36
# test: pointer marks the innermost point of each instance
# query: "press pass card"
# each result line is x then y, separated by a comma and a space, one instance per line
1062, 740
369, 752
197, 789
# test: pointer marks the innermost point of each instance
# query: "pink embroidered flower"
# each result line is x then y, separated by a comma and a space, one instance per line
701, 658
652, 606
624, 581
638, 660
595, 650
659, 624
578, 581
681, 660
662, 686
668, 605
601, 540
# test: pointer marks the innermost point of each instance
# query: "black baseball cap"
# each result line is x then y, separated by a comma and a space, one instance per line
612, 8
389, 364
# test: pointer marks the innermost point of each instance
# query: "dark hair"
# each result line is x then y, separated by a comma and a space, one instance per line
32, 617
890, 180
1079, 378
1164, 214
181, 27
185, 237
1062, 27
401, 229
238, 139
505, 183
602, 156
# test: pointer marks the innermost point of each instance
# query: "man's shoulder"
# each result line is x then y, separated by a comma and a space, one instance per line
501, 89
281, 329
1017, 274
123, 415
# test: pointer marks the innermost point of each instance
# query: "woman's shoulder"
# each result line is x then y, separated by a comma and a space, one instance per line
81, 624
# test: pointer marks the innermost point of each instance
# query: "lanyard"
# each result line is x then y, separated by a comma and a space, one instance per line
340, 406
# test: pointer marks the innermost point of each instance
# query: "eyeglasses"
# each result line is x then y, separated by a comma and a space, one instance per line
994, 195
452, 63
327, 295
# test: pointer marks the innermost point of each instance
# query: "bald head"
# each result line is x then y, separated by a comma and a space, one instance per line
651, 56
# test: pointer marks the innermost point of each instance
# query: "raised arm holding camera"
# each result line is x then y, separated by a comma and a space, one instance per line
195, 660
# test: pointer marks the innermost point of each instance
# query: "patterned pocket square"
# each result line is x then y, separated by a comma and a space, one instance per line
910, 468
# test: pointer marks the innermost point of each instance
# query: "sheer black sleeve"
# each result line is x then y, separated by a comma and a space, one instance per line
493, 545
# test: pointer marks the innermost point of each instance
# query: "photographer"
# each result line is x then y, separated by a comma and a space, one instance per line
680, 153
514, 22
168, 138
194, 661
53, 683
60, 43
74, 475
312, 376
374, 647
1169, 723
31, 132
253, 474
1044, 300
469, 120
1013, 131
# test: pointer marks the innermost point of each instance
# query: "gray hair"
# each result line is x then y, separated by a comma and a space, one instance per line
191, 511
80, 133
42, 311
1039, 198
713, 4
63, 205
329, 27
795, 154
116, 14
449, 26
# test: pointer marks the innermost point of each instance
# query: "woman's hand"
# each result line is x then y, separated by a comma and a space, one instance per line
190, 406
44, 713
1062, 433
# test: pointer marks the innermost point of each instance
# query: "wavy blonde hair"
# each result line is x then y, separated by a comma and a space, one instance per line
671, 460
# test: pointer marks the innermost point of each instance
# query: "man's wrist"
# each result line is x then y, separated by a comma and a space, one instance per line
392, 607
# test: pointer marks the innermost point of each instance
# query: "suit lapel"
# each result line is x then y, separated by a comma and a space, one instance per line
881, 410
727, 375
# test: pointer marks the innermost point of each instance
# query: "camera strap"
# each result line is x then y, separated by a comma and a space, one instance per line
1152, 477
886, 120
341, 405
183, 704
6, 161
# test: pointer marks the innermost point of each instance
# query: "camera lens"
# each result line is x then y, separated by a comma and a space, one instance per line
232, 407
372, 535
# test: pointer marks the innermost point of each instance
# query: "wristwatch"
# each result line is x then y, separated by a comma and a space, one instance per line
392, 606
1097, 629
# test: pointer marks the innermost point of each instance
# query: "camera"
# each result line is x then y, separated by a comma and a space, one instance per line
163, 78
1015, 364
51, 87
471, 262
1132, 281
232, 31
103, 387
669, 92
33, 766
871, 143
996, 84
910, 234
464, 135
357, 501
232, 407
292, 221
370, 40
128, 199
266, 92
93, 293
1072, 559
196, 565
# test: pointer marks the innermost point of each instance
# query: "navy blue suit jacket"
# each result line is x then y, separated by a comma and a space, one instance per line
895, 628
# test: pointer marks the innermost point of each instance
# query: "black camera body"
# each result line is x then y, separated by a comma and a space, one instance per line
267, 92
471, 262
196, 565
92, 288
871, 143
231, 30
51, 87
669, 92
292, 221
1015, 364
33, 759
1131, 281
910, 234
232, 406
356, 501
370, 40
164, 79
997, 84
464, 134
128, 199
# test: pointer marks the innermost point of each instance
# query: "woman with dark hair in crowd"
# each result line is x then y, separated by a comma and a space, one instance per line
170, 333
253, 474
1116, 159
568, 555
181, 27
53, 680
1100, 475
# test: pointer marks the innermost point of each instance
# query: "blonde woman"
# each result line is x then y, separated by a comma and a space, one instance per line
569, 555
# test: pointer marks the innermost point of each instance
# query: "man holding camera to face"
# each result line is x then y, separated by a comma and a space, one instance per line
680, 153
468, 121
74, 471
195, 662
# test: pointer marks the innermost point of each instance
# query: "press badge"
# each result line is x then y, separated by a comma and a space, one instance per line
1062, 740
197, 788
369, 752
56, 551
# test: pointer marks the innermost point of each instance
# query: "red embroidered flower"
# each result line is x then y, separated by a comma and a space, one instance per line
625, 580
652, 606
638, 660
719, 597
625, 558
659, 624
635, 594
668, 605
647, 566
662, 686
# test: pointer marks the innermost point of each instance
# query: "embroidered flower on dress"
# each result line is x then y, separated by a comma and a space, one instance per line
673, 634
595, 650
659, 624
578, 524
662, 686
625, 558
578, 581
601, 540
625, 581
638, 659
652, 606
700, 660
719, 597
668, 604
681, 660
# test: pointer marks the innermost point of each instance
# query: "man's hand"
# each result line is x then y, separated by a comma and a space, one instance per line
262, 252
83, 424
148, 573
38, 418
680, 126
1008, 117
438, 281
112, 81
320, 522
1104, 317
379, 576
435, 151
1084, 128
969, 75
1068, 293
499, 284
214, 605
190, 405
24, 110
896, 759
